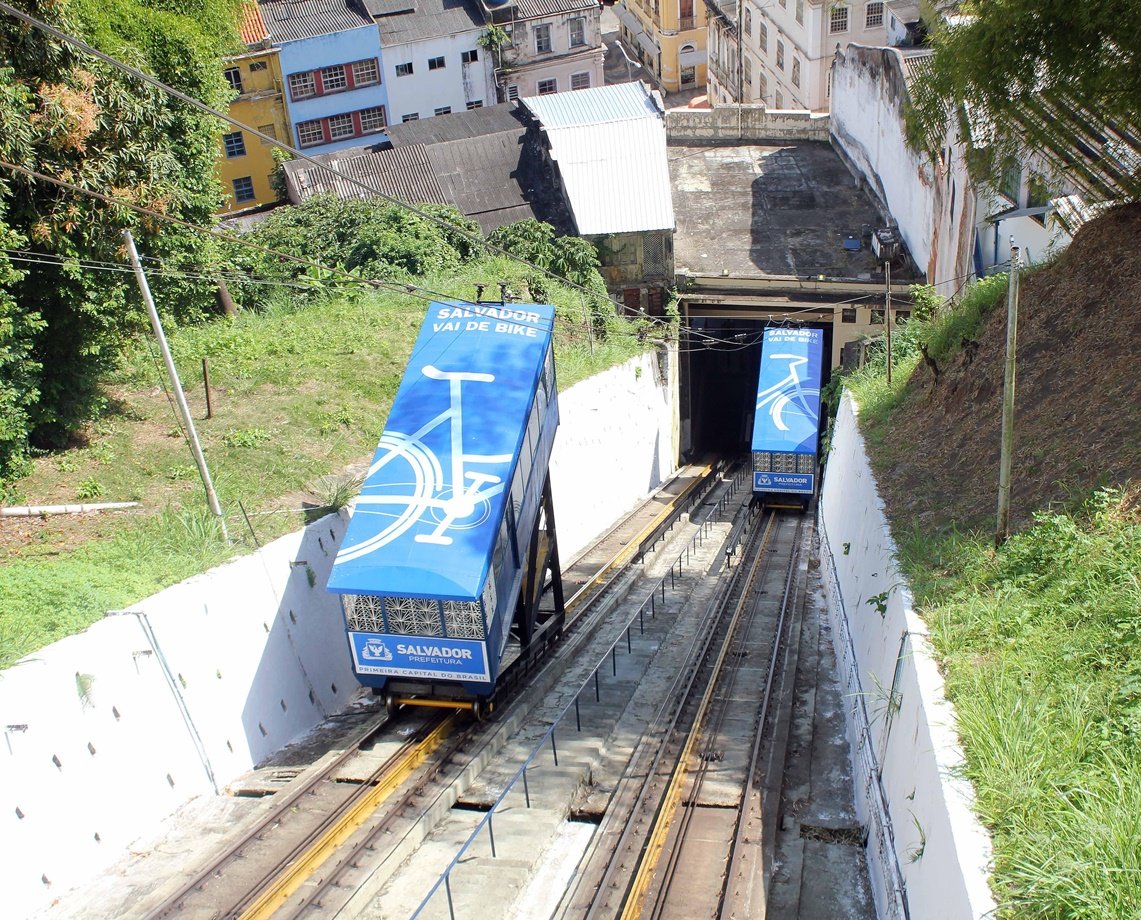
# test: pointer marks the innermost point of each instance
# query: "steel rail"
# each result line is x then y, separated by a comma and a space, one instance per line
173, 903
712, 728
663, 818
676, 696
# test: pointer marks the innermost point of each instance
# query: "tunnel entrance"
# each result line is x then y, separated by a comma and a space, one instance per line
721, 359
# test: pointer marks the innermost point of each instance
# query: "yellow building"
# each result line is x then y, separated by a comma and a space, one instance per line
245, 161
669, 38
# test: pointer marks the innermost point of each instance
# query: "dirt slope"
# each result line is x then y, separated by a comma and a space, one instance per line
1078, 407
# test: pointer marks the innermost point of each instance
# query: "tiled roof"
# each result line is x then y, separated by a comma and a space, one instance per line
292, 20
251, 27
430, 19
403, 173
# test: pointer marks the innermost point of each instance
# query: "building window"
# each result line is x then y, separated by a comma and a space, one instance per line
373, 120
255, 66
269, 131
233, 76
302, 85
779, 100
475, 104
548, 87
800, 11
689, 76
1010, 182
796, 71
443, 110
244, 189
578, 32
365, 73
873, 15
839, 20
512, 92
469, 57
341, 126
310, 133
763, 38
748, 21
404, 70
580, 81
412, 116
234, 144
848, 315
436, 63
748, 62
542, 39
780, 55
334, 78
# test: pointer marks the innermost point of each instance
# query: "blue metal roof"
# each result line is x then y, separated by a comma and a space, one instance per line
429, 512
788, 391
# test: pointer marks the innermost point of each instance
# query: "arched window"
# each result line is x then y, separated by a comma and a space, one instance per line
748, 21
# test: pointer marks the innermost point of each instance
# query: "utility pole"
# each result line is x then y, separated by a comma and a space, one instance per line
179, 396
1007, 451
887, 313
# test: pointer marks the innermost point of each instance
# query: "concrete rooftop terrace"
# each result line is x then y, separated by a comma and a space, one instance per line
762, 211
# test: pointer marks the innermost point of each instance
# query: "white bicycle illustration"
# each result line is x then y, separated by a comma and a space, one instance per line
447, 503
788, 390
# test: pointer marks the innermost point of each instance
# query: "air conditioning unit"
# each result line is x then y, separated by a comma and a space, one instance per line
886, 244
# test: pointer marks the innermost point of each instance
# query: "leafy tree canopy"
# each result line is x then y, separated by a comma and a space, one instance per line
1031, 74
63, 324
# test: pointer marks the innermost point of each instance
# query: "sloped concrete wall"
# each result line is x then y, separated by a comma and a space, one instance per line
925, 845
617, 441
108, 732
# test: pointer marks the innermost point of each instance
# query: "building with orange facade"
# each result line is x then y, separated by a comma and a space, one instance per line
245, 161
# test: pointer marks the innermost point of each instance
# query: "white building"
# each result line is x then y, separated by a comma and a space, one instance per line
553, 46
432, 60
786, 48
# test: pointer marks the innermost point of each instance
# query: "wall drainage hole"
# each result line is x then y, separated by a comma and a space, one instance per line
472, 806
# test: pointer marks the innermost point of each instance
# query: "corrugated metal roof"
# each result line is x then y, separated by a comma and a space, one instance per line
480, 175
292, 20
616, 175
430, 19
456, 126
404, 173
531, 9
610, 147
251, 27
598, 105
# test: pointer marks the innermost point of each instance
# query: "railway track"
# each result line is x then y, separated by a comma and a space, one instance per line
680, 833
319, 844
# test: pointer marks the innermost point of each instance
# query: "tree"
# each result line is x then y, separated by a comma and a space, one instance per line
80, 120
1023, 75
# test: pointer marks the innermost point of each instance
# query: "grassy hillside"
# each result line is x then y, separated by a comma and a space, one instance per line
1039, 640
299, 397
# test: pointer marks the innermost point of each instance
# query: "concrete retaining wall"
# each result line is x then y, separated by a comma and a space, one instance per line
744, 124
108, 732
925, 846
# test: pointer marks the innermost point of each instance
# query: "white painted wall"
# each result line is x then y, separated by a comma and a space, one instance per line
923, 836
617, 441
204, 680
932, 203
454, 85
147, 709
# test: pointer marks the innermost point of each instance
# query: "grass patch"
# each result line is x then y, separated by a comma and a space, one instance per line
300, 396
1039, 640
1040, 643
